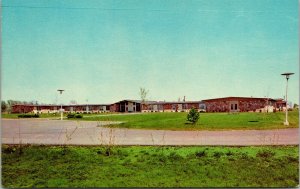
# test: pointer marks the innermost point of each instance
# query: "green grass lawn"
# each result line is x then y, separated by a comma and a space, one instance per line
136, 166
177, 121
207, 121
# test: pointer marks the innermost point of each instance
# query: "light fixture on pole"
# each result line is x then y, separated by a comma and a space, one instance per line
61, 110
287, 76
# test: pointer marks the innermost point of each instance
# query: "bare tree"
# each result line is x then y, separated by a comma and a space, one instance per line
10, 103
143, 94
73, 102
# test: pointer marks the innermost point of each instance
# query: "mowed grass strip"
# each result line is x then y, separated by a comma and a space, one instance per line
15, 116
207, 121
136, 166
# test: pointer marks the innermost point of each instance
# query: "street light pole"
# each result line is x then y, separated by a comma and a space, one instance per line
61, 112
287, 76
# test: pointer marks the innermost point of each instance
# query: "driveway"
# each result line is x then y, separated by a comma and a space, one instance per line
56, 132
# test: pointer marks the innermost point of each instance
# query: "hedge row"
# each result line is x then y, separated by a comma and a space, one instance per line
28, 116
74, 116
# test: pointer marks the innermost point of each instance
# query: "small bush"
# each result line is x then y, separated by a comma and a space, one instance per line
229, 153
70, 116
200, 154
99, 152
193, 116
8, 149
265, 154
74, 116
243, 155
217, 154
108, 151
78, 116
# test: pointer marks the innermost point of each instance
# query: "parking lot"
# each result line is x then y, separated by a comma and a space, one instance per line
57, 132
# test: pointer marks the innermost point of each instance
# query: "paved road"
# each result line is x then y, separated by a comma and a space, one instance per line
56, 132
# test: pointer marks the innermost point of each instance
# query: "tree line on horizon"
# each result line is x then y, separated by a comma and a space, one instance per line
6, 106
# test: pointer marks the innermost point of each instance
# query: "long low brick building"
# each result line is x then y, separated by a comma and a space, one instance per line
92, 108
227, 104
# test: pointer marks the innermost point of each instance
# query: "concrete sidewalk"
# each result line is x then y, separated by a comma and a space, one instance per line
56, 132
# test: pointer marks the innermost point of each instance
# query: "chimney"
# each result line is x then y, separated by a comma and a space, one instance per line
184, 99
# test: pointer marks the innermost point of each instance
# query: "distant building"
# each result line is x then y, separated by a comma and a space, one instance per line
226, 104
86, 108
243, 104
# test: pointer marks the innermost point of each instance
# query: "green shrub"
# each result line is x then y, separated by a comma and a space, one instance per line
229, 153
8, 149
265, 154
193, 116
99, 152
74, 116
218, 154
29, 116
78, 116
200, 154
70, 115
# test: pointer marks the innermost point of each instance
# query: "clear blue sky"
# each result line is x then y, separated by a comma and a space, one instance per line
104, 51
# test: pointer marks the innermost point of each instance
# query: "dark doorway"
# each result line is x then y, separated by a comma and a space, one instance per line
122, 106
138, 107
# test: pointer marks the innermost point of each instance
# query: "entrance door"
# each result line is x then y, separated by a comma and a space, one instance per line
233, 106
122, 106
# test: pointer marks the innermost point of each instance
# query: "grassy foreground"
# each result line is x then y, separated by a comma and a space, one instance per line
207, 121
136, 166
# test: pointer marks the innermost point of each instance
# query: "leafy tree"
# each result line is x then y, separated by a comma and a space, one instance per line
3, 106
296, 105
143, 94
193, 116
10, 103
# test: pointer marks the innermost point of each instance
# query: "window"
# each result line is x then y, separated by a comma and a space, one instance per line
231, 106
202, 106
173, 106
235, 106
